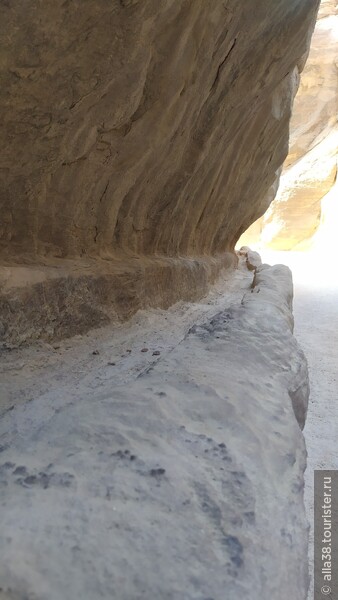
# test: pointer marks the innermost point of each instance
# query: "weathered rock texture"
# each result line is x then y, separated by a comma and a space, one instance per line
134, 130
183, 484
311, 167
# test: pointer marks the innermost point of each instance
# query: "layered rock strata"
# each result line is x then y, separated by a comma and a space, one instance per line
135, 132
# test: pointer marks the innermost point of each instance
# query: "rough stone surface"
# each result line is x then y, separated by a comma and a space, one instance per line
136, 129
311, 166
315, 311
253, 260
65, 299
184, 483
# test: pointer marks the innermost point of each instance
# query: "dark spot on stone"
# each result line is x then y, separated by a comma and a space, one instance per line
95, 352
62, 479
44, 480
21, 470
162, 394
291, 458
156, 353
8, 465
250, 516
132, 457
235, 549
30, 480
239, 477
112, 364
126, 452
144, 350
157, 472
222, 445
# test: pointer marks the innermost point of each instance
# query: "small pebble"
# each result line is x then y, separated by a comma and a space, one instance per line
156, 353
144, 350
95, 352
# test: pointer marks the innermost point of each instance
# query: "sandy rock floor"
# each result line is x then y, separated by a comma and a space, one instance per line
118, 355
112, 355
316, 329
140, 461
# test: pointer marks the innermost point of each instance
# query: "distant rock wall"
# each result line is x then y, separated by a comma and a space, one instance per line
134, 130
311, 167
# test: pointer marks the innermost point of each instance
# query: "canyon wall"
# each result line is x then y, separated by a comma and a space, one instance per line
311, 167
140, 139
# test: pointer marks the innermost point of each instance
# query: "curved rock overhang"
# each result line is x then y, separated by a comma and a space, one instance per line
137, 132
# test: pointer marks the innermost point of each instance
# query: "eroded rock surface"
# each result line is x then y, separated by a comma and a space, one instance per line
311, 167
184, 483
134, 130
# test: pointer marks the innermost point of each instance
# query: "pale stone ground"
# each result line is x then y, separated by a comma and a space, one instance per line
316, 328
49, 371
176, 475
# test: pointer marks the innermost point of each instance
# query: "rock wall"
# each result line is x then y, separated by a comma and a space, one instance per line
311, 167
136, 131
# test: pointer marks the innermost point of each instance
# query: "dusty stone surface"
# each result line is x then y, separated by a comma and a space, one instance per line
316, 319
185, 482
137, 129
70, 297
311, 167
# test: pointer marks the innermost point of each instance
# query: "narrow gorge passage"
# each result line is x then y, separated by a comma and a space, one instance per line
316, 329
153, 394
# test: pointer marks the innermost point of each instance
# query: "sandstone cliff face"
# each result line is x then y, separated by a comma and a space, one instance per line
136, 130
311, 167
